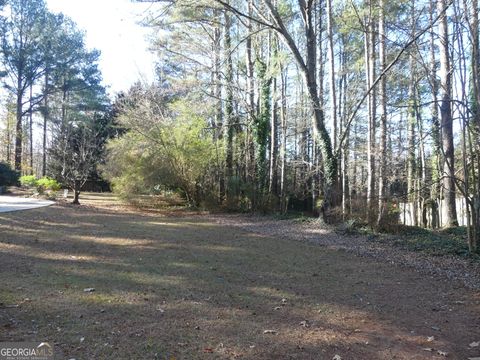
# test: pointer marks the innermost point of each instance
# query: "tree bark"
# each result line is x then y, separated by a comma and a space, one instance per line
76, 193
283, 148
370, 74
229, 105
435, 129
45, 122
382, 181
446, 117
30, 128
273, 178
250, 150
19, 127
475, 147
331, 69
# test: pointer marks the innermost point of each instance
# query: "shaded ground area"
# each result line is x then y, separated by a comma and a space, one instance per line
439, 253
194, 288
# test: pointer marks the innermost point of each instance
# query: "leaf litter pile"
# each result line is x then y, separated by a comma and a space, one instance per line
102, 281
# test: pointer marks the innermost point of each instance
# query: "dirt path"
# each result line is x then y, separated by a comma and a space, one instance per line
191, 288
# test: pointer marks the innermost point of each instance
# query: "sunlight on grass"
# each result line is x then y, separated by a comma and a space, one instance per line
183, 265
161, 223
273, 293
23, 250
127, 278
219, 248
115, 241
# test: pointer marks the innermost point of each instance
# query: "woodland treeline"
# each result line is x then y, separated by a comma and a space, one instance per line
346, 109
56, 114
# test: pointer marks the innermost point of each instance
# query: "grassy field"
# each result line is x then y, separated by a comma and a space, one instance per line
185, 287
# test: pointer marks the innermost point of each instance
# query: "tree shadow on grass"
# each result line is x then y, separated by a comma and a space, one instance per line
193, 289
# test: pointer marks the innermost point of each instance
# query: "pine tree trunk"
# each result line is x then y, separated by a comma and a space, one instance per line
411, 157
273, 173
273, 179
19, 127
382, 203
331, 69
435, 129
30, 128
370, 74
250, 150
229, 106
446, 117
45, 122
283, 148
475, 147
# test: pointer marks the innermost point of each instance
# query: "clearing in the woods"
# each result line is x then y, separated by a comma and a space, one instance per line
104, 282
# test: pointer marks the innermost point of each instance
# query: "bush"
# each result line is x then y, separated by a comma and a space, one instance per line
8, 177
47, 183
28, 180
41, 185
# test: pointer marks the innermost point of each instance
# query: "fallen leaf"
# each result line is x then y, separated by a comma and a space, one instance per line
474, 344
337, 357
430, 338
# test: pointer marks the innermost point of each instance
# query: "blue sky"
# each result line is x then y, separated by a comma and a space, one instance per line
112, 27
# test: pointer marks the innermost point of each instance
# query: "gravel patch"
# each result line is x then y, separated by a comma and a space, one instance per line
456, 268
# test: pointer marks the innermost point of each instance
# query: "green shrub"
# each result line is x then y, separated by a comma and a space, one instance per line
8, 177
41, 185
28, 180
47, 183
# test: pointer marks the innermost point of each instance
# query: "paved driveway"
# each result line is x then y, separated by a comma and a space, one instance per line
14, 203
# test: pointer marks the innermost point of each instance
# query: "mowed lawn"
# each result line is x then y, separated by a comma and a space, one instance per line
185, 287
